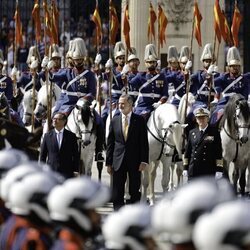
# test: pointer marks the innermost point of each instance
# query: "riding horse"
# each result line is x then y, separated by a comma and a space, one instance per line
164, 135
235, 135
81, 121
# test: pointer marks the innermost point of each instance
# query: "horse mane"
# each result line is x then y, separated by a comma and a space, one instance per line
86, 113
236, 100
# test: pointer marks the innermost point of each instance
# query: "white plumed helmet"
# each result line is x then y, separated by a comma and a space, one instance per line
150, 53
233, 56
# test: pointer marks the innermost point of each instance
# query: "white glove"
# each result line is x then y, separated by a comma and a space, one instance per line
14, 72
156, 104
109, 63
159, 64
98, 59
125, 69
215, 101
218, 175
185, 173
45, 62
51, 64
188, 65
34, 64
212, 68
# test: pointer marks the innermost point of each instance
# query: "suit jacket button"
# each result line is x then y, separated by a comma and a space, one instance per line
194, 159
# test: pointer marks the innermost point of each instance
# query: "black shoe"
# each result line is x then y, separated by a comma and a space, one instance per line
99, 157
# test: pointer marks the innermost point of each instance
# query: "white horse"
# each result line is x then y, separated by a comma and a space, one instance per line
81, 121
235, 137
164, 135
42, 100
28, 104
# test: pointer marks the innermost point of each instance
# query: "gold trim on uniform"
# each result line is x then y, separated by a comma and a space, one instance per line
219, 163
185, 161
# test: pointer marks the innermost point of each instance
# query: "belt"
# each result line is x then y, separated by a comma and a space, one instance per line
151, 95
177, 97
227, 94
205, 93
135, 93
78, 94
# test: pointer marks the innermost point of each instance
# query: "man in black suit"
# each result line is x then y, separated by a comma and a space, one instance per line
59, 148
203, 154
127, 151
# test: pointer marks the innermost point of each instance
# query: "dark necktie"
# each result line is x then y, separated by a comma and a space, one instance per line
201, 133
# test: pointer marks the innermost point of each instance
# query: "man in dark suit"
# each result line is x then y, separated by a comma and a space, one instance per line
127, 151
203, 154
59, 148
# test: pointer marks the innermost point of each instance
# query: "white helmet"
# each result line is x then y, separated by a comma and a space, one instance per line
177, 213
184, 54
172, 54
207, 52
29, 196
233, 56
119, 49
150, 53
132, 54
33, 55
10, 158
54, 51
128, 227
79, 49
226, 228
71, 49
68, 203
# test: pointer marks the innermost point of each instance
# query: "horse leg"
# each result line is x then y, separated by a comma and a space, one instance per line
166, 163
127, 195
179, 170
99, 168
235, 179
171, 183
144, 183
242, 181
152, 176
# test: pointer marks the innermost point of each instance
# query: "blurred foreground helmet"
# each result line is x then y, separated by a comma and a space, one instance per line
177, 213
10, 158
128, 228
70, 203
28, 197
226, 228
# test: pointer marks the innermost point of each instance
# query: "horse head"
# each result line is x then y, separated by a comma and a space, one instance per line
4, 107
29, 102
236, 119
52, 93
85, 120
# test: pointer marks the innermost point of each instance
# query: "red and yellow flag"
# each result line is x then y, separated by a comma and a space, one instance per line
226, 30
237, 18
37, 22
197, 23
218, 25
18, 30
97, 20
55, 21
151, 22
48, 23
114, 23
126, 27
163, 22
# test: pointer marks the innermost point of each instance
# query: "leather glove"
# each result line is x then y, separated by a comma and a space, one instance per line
125, 69
189, 65
45, 62
98, 58
51, 64
156, 104
109, 63
218, 175
212, 68
185, 173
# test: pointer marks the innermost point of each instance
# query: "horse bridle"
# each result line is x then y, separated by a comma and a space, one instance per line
159, 137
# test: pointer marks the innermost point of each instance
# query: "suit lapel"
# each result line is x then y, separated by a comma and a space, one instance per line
131, 124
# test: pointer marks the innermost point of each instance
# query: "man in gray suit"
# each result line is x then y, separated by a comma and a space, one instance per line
59, 148
127, 151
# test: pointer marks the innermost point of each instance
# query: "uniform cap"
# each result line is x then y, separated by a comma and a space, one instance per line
150, 53
227, 227
172, 54
207, 52
54, 51
132, 54
119, 49
233, 56
184, 54
79, 50
1, 57
33, 55
201, 112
